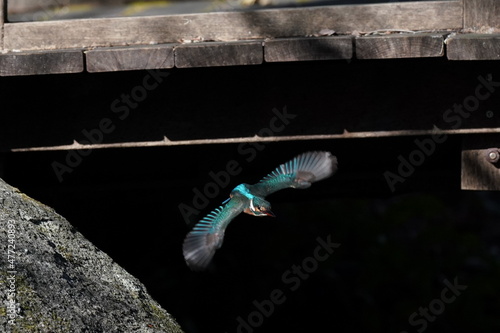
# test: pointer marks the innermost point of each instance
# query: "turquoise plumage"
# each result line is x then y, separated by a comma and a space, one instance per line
207, 235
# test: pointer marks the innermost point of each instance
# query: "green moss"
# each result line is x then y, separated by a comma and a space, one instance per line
35, 316
157, 312
162, 317
30, 199
32, 321
68, 255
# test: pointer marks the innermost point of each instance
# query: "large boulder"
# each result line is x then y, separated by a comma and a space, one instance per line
52, 279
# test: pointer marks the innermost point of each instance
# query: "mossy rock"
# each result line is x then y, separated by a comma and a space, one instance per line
61, 282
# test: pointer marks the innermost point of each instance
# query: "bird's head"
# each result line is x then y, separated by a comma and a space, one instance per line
260, 207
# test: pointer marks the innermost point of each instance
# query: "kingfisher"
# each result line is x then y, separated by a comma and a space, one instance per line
207, 235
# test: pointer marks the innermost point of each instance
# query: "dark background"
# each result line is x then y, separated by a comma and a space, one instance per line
396, 249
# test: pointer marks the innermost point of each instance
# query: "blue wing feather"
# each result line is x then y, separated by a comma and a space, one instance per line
208, 234
300, 172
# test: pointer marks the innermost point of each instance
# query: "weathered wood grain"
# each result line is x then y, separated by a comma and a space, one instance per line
473, 47
478, 172
406, 45
482, 16
3, 11
226, 26
130, 58
3, 19
218, 54
33, 63
309, 48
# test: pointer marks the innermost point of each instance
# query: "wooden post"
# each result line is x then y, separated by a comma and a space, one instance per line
3, 19
482, 16
2, 168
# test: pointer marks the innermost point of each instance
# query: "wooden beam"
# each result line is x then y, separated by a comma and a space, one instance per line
473, 47
482, 16
227, 26
406, 45
218, 54
480, 163
310, 48
130, 58
32, 63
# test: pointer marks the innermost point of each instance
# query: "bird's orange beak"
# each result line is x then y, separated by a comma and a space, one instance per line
269, 213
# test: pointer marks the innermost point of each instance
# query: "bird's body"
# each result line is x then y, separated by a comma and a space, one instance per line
207, 235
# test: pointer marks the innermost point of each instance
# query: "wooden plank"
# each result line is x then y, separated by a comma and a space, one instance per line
227, 26
218, 54
473, 47
33, 63
130, 58
482, 16
310, 48
406, 45
479, 169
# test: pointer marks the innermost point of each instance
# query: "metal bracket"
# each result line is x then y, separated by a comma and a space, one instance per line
481, 165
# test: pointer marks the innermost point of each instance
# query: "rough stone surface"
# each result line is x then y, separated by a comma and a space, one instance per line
60, 282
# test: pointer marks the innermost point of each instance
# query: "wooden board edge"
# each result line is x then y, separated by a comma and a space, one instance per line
308, 49
215, 54
141, 57
400, 45
473, 47
38, 63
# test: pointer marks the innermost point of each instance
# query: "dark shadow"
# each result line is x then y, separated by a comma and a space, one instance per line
325, 97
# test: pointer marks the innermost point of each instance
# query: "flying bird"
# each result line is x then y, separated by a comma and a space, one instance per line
207, 235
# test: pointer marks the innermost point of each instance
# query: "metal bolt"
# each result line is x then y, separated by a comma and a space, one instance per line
493, 155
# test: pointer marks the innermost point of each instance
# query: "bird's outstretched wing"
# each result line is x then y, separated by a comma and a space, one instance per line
207, 235
299, 172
